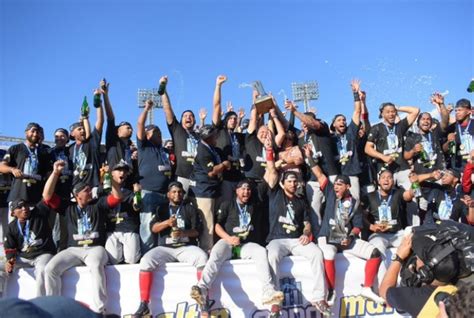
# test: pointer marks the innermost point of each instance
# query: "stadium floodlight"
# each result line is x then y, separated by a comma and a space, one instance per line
145, 94
305, 92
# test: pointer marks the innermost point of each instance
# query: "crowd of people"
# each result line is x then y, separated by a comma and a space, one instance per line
258, 188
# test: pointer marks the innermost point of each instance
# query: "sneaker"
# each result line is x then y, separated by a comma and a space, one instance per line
275, 311
201, 299
323, 307
331, 297
274, 298
368, 293
143, 310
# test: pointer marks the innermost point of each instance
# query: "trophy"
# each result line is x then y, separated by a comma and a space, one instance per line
263, 102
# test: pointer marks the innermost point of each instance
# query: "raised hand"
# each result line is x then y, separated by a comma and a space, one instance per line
104, 87
230, 107
149, 105
437, 99
202, 113
290, 106
164, 79
58, 166
221, 79
241, 113
355, 85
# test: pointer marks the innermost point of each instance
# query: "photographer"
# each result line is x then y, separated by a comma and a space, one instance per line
436, 267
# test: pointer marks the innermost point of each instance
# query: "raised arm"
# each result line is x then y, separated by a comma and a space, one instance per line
142, 119
202, 116
412, 113
355, 85
364, 111
253, 122
169, 114
271, 173
280, 136
104, 90
99, 122
217, 104
438, 100
87, 127
48, 190
305, 119
315, 168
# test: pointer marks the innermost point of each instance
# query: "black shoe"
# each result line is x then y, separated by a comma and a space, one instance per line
143, 310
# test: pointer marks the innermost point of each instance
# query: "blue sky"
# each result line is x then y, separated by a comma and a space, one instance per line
53, 52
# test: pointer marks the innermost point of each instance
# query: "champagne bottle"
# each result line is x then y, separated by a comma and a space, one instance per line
452, 147
236, 252
107, 185
85, 108
137, 200
97, 100
162, 88
470, 88
415, 186
424, 155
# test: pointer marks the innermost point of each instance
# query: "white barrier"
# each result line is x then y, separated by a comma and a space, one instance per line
236, 292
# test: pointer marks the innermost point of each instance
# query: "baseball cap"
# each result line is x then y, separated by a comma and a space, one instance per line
207, 131
176, 184
455, 173
342, 179
289, 174
18, 203
244, 183
124, 123
151, 127
465, 103
78, 187
32, 125
62, 130
121, 165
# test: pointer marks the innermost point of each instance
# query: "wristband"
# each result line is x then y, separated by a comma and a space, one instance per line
365, 116
269, 153
311, 162
356, 97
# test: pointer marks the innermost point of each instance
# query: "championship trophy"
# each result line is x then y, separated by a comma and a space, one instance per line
263, 102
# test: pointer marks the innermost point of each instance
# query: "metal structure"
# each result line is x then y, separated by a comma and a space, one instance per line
7, 141
305, 92
145, 94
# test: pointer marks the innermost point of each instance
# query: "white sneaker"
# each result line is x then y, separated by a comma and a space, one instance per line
368, 293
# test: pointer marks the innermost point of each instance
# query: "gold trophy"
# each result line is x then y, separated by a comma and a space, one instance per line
263, 102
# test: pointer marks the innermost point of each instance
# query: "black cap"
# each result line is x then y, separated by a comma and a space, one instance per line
455, 173
287, 174
32, 125
176, 184
78, 187
121, 165
72, 127
343, 179
465, 103
227, 116
124, 123
245, 182
62, 130
151, 127
18, 203
207, 131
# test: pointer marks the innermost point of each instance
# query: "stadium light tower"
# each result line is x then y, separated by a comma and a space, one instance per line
145, 94
305, 92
